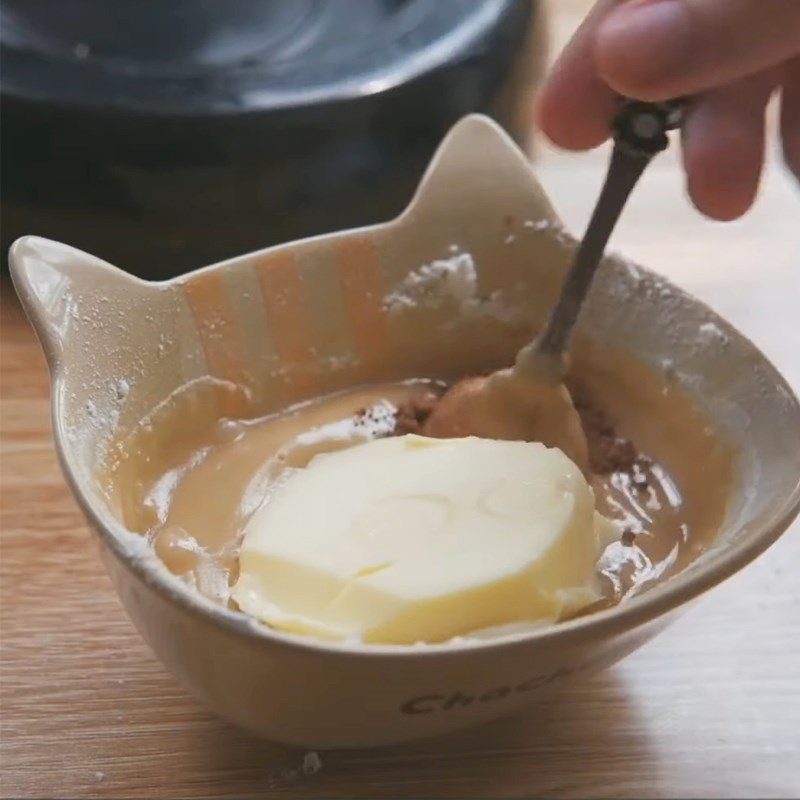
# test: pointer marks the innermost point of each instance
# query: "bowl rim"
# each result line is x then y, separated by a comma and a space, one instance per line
655, 602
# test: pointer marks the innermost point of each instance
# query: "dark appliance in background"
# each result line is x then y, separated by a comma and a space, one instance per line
163, 135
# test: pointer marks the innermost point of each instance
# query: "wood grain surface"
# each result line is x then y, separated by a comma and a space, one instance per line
709, 709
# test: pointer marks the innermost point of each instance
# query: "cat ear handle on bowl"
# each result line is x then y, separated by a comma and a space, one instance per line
476, 169
62, 289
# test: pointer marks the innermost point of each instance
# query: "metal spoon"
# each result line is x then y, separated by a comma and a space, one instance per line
640, 132
529, 401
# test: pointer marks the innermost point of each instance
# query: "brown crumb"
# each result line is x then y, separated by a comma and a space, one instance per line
639, 472
377, 418
412, 413
611, 454
607, 451
628, 537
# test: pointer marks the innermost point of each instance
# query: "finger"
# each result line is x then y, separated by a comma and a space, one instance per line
657, 49
723, 146
790, 115
575, 107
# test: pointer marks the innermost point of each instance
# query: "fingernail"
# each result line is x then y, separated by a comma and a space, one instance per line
640, 44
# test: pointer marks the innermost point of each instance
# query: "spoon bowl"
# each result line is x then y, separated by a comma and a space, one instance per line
503, 406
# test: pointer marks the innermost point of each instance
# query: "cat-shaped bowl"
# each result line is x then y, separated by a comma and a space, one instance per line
339, 310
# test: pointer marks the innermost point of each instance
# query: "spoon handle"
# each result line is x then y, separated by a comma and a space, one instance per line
640, 132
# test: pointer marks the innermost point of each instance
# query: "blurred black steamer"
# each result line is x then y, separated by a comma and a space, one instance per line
163, 135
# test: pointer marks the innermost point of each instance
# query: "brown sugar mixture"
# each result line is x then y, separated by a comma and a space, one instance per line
189, 480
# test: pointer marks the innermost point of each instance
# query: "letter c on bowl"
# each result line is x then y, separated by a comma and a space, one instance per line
420, 705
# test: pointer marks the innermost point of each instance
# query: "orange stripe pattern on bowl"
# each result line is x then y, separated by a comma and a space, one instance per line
289, 318
361, 280
220, 336
288, 314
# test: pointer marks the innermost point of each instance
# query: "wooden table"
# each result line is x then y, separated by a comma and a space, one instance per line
710, 709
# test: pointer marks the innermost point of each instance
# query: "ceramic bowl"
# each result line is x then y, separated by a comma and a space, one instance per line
330, 312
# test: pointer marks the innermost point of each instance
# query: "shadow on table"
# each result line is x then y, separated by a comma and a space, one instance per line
581, 740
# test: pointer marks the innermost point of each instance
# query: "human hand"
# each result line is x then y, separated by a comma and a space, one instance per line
729, 56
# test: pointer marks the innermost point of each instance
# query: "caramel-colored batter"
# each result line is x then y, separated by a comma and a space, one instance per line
190, 481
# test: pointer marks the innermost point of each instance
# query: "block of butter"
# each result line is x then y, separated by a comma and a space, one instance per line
412, 539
